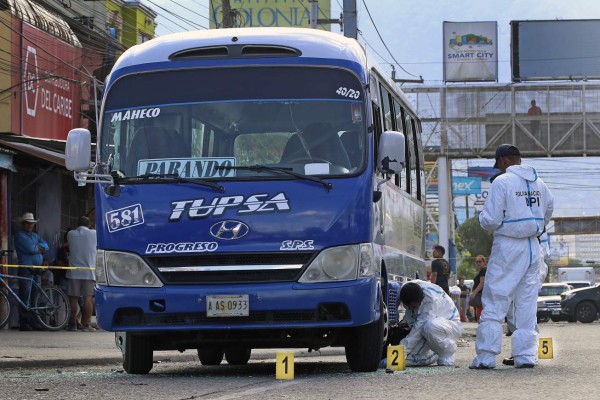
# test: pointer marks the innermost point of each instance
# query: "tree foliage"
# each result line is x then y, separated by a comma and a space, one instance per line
474, 240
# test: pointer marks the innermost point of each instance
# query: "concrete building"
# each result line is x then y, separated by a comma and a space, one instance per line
54, 57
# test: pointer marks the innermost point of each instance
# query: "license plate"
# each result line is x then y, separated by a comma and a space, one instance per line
555, 312
237, 305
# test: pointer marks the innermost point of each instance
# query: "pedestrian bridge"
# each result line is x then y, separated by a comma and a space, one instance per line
470, 121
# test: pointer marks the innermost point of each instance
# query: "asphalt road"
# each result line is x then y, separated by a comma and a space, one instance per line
572, 373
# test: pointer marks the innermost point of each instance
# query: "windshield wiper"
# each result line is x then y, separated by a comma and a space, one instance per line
176, 178
288, 171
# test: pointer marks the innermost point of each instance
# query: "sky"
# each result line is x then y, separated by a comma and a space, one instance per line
412, 33
411, 29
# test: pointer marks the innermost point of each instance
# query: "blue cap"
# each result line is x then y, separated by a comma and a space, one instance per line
506, 150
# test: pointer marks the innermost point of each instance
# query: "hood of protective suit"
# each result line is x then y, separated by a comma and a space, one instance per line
524, 171
519, 204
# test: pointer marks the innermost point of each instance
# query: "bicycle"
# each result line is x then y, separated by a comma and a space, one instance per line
49, 303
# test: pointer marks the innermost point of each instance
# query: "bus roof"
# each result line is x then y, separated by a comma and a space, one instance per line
311, 43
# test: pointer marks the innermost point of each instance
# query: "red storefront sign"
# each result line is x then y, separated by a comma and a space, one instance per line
51, 90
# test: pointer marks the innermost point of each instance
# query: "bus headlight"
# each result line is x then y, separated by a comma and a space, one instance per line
333, 265
125, 269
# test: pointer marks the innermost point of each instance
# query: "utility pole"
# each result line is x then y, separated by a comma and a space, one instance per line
314, 19
314, 13
227, 21
349, 18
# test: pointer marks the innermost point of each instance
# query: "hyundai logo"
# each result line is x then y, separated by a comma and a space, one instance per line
229, 230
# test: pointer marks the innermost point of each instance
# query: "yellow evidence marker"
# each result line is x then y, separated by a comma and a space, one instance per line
545, 348
284, 365
395, 358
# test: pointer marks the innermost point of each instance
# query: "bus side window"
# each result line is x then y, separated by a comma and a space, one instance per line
410, 145
398, 119
405, 176
376, 132
386, 106
415, 165
420, 160
389, 119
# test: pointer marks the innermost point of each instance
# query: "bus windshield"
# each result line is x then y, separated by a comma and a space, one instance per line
211, 123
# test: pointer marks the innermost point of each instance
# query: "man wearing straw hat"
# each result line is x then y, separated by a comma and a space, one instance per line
30, 252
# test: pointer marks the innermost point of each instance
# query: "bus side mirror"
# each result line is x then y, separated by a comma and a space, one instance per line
78, 150
391, 156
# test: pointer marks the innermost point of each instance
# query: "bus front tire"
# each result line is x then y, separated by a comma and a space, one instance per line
137, 358
210, 356
238, 355
365, 345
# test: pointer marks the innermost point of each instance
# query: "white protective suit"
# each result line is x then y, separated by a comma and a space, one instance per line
435, 327
518, 207
542, 274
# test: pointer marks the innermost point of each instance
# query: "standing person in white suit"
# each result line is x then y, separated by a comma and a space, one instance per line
518, 207
434, 321
543, 273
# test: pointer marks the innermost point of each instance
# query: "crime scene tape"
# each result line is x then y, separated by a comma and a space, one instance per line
45, 267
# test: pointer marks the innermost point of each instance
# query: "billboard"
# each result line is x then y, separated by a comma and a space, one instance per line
468, 205
470, 51
461, 186
555, 50
464, 186
51, 94
485, 173
271, 13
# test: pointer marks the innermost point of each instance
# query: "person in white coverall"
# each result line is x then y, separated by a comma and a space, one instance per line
518, 207
542, 274
434, 322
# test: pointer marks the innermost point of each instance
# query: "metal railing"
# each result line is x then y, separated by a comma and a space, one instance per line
470, 121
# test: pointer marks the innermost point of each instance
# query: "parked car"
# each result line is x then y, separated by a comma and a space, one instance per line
582, 305
578, 284
548, 304
469, 283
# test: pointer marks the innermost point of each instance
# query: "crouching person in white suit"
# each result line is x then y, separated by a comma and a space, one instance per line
434, 322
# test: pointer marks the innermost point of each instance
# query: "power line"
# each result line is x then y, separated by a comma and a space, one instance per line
383, 41
187, 21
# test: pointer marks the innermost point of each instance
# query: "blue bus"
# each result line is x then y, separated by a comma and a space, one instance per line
254, 188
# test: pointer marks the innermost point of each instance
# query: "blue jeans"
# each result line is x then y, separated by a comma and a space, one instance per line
27, 318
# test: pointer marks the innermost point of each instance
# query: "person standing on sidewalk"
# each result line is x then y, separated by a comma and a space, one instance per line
440, 269
478, 283
518, 207
82, 247
30, 252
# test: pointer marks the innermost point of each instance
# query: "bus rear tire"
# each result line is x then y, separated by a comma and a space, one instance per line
137, 358
365, 345
238, 355
210, 356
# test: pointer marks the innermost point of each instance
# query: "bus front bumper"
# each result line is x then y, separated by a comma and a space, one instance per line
271, 306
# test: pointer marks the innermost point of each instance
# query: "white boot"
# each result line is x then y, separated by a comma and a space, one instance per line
446, 360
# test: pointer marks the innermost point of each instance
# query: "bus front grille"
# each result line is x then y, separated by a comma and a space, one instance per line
230, 268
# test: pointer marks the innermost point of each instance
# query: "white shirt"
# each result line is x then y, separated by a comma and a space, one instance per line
82, 253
